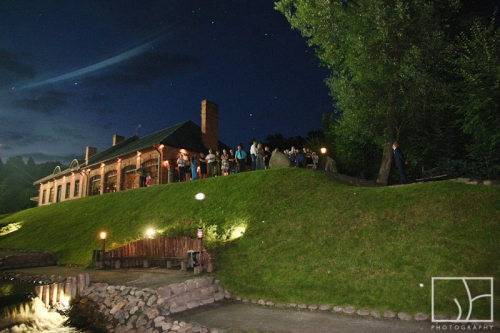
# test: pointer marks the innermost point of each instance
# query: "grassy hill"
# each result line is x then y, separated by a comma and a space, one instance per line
304, 236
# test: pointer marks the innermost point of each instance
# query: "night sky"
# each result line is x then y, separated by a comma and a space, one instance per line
74, 73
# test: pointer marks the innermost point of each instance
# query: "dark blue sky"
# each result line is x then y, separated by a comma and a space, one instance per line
74, 73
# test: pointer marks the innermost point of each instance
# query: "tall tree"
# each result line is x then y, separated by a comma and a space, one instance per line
386, 59
477, 68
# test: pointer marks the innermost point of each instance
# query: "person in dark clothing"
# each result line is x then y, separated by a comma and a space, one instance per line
401, 162
142, 177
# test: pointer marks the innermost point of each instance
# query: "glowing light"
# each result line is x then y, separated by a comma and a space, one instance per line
102, 165
162, 146
103, 235
150, 232
138, 153
238, 232
199, 196
323, 150
11, 227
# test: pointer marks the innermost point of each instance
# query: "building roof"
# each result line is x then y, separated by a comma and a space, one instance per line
186, 135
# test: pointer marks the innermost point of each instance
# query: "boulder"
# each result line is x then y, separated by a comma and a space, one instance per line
279, 160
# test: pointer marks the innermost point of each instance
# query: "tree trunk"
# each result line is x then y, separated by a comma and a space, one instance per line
385, 165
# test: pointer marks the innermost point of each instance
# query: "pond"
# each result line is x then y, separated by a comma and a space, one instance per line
20, 311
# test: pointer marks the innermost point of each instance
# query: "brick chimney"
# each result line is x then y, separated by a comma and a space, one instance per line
89, 152
117, 139
210, 124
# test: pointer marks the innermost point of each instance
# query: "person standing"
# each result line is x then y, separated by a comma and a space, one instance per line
233, 166
267, 157
259, 157
253, 153
142, 177
241, 158
180, 166
149, 180
210, 162
203, 166
401, 162
224, 163
194, 167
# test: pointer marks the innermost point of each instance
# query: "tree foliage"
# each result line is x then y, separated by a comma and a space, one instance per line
390, 77
16, 182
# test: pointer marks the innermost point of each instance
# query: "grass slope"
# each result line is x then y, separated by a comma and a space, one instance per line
307, 237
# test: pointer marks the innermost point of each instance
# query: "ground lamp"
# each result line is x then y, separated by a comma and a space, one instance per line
103, 247
200, 237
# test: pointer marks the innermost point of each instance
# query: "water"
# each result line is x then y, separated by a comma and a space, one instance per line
20, 311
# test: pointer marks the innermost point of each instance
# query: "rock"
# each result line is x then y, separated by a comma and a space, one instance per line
312, 307
421, 316
404, 316
302, 306
337, 308
325, 307
389, 314
279, 160
363, 312
375, 314
331, 165
349, 309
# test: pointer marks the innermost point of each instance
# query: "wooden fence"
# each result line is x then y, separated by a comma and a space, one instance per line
158, 252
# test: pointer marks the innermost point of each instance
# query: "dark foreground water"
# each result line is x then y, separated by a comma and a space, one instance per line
21, 312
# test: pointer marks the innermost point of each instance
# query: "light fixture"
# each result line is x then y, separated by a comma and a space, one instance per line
162, 146
200, 233
323, 150
102, 235
150, 232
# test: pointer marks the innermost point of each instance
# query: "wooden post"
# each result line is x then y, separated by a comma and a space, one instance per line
60, 292
46, 295
74, 287
53, 294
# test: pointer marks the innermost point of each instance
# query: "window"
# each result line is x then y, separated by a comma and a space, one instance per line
43, 196
129, 179
76, 191
151, 167
51, 194
59, 192
110, 180
67, 192
95, 185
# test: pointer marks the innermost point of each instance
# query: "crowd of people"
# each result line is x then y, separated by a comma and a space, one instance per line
223, 163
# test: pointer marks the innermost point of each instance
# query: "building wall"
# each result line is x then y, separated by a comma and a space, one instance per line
125, 169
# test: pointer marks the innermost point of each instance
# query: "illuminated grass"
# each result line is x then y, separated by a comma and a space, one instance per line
307, 237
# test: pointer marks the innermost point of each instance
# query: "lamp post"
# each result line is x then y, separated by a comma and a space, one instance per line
323, 152
103, 247
200, 237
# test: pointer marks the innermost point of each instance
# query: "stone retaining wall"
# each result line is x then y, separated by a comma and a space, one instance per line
127, 309
25, 260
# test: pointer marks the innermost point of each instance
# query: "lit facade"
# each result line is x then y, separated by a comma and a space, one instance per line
115, 169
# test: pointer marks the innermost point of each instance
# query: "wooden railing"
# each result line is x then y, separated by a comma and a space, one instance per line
160, 252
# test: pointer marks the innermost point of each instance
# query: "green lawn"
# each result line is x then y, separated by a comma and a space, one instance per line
304, 236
